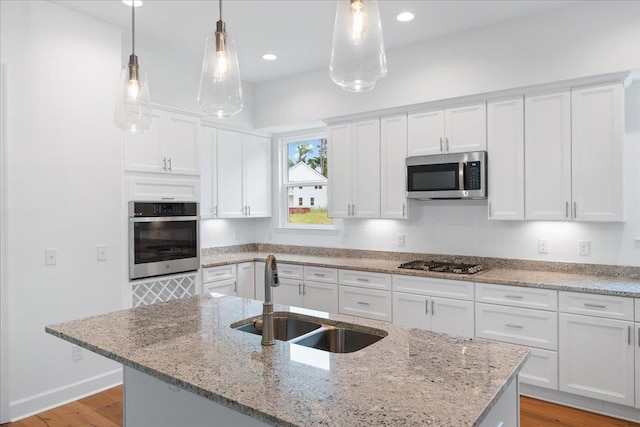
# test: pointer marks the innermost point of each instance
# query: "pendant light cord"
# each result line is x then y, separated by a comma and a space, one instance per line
220, 3
133, 27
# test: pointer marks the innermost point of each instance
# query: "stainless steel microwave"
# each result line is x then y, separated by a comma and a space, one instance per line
447, 176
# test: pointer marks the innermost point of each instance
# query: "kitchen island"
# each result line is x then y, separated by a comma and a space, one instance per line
187, 347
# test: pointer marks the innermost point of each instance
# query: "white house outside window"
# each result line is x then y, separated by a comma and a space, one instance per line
305, 181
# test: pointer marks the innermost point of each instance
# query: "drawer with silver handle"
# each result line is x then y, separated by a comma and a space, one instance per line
369, 303
608, 306
215, 274
516, 296
431, 286
290, 271
321, 274
365, 279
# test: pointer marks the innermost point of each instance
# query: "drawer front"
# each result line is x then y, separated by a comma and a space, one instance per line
534, 328
290, 271
369, 303
540, 299
611, 307
456, 289
541, 369
215, 274
225, 287
321, 274
365, 279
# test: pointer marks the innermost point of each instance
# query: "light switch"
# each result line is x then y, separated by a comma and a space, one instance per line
51, 256
102, 253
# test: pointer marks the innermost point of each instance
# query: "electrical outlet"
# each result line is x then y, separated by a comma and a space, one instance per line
400, 240
51, 256
543, 246
584, 247
76, 353
102, 252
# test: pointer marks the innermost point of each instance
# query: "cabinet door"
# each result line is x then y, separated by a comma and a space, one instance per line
208, 173
453, 317
246, 280
597, 126
547, 155
340, 173
393, 178
411, 311
596, 358
637, 347
259, 280
466, 128
289, 292
425, 133
257, 175
320, 296
365, 184
506, 159
144, 152
182, 144
229, 162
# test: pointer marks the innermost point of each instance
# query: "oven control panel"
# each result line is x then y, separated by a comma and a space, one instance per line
162, 209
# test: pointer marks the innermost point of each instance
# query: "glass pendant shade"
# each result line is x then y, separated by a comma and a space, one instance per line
220, 91
133, 106
358, 60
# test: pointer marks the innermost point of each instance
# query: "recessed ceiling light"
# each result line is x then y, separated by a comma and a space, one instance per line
136, 3
405, 17
269, 57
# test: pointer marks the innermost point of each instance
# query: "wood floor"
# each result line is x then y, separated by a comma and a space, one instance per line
105, 410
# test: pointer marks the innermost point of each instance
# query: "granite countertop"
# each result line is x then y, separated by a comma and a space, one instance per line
410, 377
577, 282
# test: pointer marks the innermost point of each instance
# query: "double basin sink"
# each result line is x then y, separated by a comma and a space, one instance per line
314, 332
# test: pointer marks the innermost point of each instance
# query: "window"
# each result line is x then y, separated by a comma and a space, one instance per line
304, 179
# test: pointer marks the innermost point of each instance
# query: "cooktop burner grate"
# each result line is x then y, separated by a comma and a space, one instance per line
443, 267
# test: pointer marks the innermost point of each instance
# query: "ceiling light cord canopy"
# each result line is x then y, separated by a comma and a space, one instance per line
133, 105
358, 60
220, 91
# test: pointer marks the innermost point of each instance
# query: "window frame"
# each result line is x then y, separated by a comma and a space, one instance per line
285, 184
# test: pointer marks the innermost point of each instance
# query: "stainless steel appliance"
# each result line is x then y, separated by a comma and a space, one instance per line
447, 176
163, 238
443, 267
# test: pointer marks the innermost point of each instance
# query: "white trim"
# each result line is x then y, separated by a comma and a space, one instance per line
62, 395
4, 291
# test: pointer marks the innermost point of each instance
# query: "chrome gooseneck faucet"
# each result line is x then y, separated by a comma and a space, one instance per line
270, 280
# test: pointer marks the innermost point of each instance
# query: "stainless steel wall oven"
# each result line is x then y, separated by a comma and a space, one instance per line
163, 238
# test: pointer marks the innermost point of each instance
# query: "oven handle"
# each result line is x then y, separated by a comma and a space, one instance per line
164, 218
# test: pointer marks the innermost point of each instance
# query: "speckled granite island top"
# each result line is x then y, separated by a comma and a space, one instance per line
410, 377
560, 276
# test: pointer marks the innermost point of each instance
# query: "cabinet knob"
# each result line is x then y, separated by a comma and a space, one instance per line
169, 164
164, 163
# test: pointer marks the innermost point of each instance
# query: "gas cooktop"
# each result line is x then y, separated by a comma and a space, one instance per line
443, 267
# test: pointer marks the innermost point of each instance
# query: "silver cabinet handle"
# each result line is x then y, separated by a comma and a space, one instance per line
441, 146
235, 287
304, 289
349, 210
215, 210
513, 296
426, 306
286, 271
353, 210
361, 279
299, 288
220, 274
575, 210
249, 210
513, 325
362, 303
164, 164
490, 210
587, 304
566, 209
446, 140
169, 164
404, 210
433, 309
168, 198
318, 274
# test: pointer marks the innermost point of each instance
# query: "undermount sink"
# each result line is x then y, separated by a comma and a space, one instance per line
339, 340
285, 328
314, 333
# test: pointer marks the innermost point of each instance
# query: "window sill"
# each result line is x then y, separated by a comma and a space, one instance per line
307, 230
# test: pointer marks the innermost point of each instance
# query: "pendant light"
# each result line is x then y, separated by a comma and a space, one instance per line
358, 60
133, 107
220, 91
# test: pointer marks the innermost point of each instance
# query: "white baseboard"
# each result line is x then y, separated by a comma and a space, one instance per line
62, 395
586, 403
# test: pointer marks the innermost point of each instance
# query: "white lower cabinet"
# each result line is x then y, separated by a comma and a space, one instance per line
319, 294
506, 411
363, 302
442, 315
220, 280
224, 287
259, 280
597, 358
541, 369
246, 280
637, 346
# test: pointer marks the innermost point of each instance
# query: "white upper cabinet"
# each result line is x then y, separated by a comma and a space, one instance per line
243, 168
172, 145
393, 174
506, 158
548, 156
597, 126
453, 130
574, 154
354, 158
208, 172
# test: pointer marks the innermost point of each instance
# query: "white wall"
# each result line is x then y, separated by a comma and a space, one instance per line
64, 191
588, 39
582, 40
227, 232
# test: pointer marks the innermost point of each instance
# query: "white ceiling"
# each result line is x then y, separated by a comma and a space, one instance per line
298, 31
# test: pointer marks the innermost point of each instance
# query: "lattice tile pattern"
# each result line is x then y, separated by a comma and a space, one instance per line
160, 290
